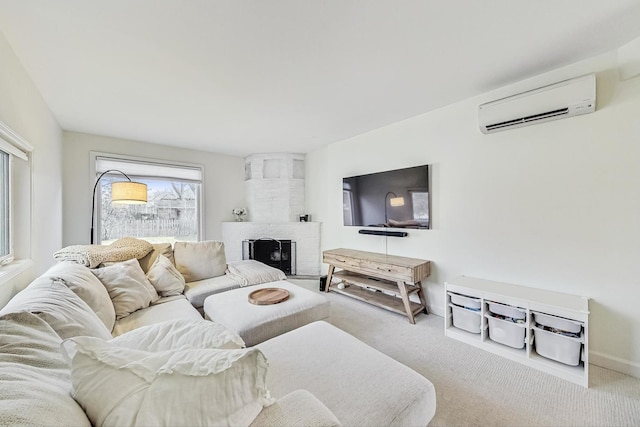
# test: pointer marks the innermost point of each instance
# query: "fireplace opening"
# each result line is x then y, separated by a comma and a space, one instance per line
280, 254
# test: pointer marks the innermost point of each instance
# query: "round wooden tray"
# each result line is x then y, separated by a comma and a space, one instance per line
266, 296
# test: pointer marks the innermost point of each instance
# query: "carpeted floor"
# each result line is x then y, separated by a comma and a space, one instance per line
477, 388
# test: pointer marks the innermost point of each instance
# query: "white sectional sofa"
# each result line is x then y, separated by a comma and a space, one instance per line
315, 375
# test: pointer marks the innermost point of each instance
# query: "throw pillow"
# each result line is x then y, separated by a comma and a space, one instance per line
128, 287
182, 333
117, 385
34, 378
165, 277
62, 309
83, 283
158, 249
200, 260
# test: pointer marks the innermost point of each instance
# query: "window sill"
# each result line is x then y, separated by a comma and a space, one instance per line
10, 271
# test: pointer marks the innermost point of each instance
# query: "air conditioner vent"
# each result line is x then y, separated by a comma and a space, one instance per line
532, 118
564, 99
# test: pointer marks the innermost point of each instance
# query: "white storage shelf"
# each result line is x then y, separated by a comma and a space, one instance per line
524, 302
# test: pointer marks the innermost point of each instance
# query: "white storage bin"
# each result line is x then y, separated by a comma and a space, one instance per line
557, 346
557, 322
507, 310
506, 332
467, 320
465, 301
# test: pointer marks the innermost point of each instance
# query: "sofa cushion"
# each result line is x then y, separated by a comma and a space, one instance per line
196, 292
83, 283
63, 310
34, 378
165, 277
128, 287
168, 308
200, 260
180, 333
117, 385
158, 249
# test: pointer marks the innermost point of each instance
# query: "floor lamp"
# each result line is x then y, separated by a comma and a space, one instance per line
123, 192
394, 201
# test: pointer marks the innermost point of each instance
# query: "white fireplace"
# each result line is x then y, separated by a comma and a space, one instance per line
274, 187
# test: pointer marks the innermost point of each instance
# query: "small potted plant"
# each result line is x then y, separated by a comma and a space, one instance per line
239, 213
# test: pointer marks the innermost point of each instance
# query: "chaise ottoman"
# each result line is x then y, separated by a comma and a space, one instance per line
257, 323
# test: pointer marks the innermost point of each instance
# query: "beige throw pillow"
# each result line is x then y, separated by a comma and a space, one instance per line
128, 287
200, 260
165, 277
117, 385
83, 283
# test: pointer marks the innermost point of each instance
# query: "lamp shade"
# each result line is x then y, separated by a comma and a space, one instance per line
128, 192
396, 201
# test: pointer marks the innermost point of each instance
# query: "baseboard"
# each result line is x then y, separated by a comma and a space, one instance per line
614, 363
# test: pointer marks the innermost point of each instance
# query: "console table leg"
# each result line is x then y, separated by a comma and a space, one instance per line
405, 301
423, 298
329, 274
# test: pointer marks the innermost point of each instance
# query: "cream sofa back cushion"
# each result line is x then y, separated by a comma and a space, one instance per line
200, 260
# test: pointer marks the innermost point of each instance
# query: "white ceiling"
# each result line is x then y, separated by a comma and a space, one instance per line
253, 76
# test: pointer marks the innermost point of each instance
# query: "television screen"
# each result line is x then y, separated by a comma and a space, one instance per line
397, 198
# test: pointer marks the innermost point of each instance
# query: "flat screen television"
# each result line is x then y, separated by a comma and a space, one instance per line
396, 199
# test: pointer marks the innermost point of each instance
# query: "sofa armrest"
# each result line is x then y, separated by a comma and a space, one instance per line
298, 408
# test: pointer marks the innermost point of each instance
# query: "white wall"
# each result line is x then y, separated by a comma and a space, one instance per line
223, 181
553, 206
38, 217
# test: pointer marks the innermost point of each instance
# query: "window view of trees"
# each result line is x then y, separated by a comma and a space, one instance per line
170, 214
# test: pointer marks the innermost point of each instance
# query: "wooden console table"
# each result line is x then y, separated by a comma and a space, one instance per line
383, 280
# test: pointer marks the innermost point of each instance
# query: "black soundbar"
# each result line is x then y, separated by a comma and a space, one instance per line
384, 233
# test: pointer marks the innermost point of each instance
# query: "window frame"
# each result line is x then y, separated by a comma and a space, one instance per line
15, 146
94, 155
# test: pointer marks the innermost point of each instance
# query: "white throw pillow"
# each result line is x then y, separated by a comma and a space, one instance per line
165, 277
200, 260
128, 287
62, 309
83, 283
180, 333
117, 385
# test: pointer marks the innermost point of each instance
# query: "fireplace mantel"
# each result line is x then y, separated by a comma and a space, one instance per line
305, 234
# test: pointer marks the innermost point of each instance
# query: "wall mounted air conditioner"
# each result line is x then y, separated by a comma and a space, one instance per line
557, 101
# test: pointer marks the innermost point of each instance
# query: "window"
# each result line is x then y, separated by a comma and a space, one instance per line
5, 204
420, 204
174, 201
347, 205
12, 148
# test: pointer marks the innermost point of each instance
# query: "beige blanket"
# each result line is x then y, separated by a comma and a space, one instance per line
94, 255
